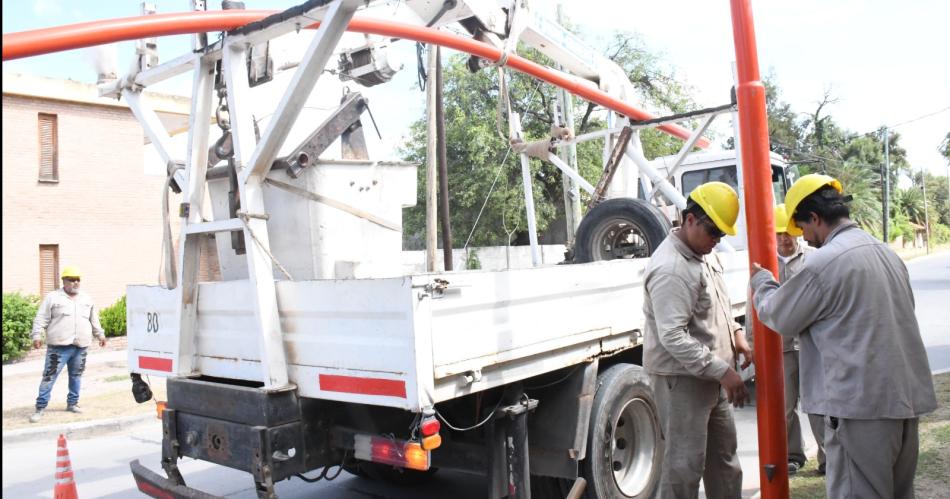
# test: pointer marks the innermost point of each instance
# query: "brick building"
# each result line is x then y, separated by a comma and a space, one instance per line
81, 187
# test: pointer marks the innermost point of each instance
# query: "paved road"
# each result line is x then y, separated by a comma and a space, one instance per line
101, 466
930, 278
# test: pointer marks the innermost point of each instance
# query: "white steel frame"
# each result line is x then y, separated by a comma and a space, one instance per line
253, 160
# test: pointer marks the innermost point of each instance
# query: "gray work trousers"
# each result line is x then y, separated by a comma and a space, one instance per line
796, 444
817, 423
699, 435
793, 428
871, 458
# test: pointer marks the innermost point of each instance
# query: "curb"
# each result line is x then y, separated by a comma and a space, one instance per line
74, 430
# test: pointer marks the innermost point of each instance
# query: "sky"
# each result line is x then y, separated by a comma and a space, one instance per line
885, 62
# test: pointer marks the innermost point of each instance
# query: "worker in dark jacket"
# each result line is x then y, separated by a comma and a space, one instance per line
863, 363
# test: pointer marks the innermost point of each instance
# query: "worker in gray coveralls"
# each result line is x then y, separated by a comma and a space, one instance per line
791, 260
863, 363
691, 345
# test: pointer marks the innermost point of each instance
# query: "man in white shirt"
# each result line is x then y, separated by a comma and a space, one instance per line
70, 319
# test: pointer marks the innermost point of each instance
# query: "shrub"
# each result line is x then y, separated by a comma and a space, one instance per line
471, 260
112, 318
939, 234
19, 310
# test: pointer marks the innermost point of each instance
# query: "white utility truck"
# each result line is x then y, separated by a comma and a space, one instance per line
315, 349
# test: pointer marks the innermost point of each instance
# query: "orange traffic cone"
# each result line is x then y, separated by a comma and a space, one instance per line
65, 486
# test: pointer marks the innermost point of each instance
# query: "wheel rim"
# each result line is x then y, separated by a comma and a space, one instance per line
620, 238
632, 447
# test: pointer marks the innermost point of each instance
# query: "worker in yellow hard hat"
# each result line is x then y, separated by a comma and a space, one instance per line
692, 347
69, 319
862, 361
811, 189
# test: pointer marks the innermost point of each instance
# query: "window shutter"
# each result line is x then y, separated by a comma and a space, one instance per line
49, 268
49, 154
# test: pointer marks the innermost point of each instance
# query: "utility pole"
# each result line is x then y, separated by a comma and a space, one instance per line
887, 187
572, 196
923, 182
445, 220
432, 164
757, 181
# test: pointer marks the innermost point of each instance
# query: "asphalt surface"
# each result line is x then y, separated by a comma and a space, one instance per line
930, 278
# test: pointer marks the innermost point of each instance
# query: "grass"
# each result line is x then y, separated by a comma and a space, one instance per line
933, 465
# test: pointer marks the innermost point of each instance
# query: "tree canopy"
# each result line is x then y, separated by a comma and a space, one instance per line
485, 186
482, 169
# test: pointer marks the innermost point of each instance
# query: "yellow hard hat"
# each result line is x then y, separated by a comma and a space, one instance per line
781, 218
801, 189
721, 204
70, 271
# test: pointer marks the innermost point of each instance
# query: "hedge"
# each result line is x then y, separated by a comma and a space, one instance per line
18, 313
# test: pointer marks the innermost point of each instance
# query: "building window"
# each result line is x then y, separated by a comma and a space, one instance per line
49, 268
49, 148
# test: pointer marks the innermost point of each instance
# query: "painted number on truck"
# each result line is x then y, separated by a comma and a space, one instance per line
152, 319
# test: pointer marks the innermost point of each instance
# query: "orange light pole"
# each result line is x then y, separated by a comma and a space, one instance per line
757, 181
74, 36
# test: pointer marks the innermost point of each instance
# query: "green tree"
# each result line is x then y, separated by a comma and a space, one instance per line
910, 202
479, 158
938, 207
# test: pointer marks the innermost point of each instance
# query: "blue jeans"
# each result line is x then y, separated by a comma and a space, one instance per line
74, 358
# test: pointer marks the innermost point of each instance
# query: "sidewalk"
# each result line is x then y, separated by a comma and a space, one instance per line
105, 397
748, 436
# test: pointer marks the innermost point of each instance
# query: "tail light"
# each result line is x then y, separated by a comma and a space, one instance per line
391, 451
429, 428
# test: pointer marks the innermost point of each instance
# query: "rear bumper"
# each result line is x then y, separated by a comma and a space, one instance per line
154, 485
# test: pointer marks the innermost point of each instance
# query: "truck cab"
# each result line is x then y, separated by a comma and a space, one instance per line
721, 166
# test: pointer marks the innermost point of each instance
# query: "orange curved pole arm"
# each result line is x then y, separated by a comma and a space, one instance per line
74, 36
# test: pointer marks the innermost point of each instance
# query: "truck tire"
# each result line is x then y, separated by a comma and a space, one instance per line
620, 228
624, 446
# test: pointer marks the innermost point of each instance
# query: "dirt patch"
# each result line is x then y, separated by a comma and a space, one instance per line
110, 405
933, 465
911, 253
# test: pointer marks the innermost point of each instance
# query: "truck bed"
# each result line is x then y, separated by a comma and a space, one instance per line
411, 341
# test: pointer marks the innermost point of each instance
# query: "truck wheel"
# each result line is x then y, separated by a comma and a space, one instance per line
620, 228
624, 448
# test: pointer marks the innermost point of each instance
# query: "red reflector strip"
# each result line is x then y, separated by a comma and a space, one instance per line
153, 491
155, 363
363, 386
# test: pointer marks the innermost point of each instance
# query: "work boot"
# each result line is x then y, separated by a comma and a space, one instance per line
73, 409
36, 415
793, 468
